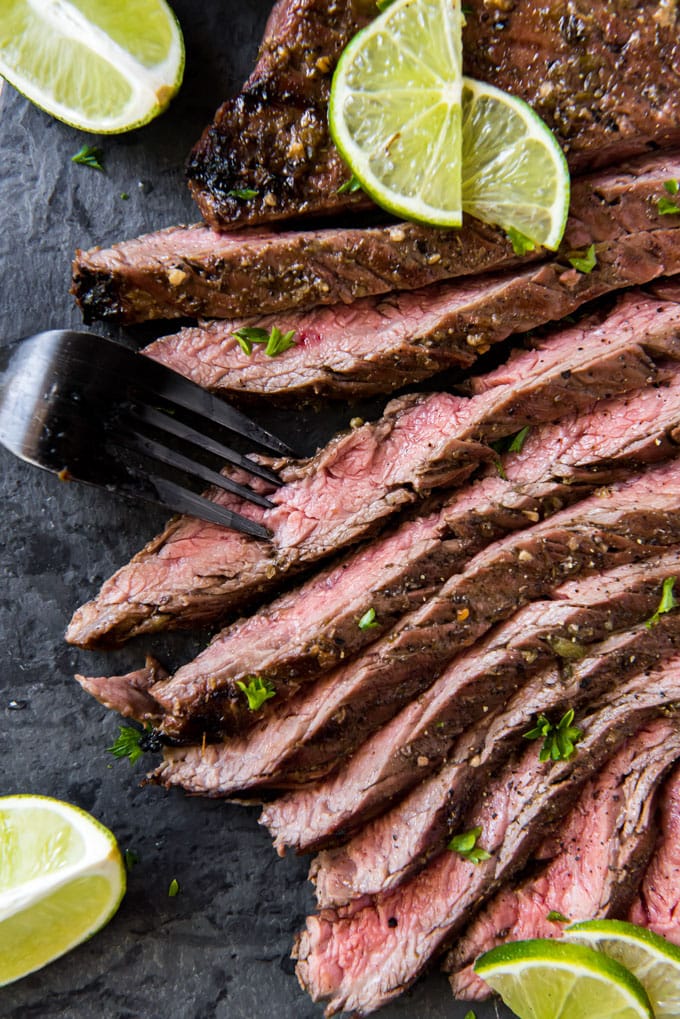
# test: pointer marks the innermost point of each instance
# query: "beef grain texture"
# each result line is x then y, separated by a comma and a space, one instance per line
195, 571
656, 905
311, 734
380, 343
605, 77
354, 958
596, 859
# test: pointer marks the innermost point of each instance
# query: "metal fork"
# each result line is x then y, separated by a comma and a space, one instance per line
91, 410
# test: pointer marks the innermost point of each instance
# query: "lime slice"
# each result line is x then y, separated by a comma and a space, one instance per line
653, 960
100, 65
61, 879
395, 109
546, 979
514, 173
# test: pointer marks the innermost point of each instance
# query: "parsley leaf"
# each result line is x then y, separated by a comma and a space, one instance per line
257, 691
89, 155
667, 603
350, 186
127, 743
585, 262
466, 846
470, 1015
555, 917
666, 207
368, 621
559, 741
671, 186
521, 244
174, 888
275, 341
130, 858
243, 194
278, 342
517, 441
509, 444
247, 336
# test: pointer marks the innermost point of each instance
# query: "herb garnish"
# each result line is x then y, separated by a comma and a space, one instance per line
130, 858
555, 917
470, 1015
509, 444
521, 244
275, 341
671, 186
665, 207
257, 691
173, 888
466, 846
559, 741
124, 195
243, 194
132, 742
89, 155
368, 620
667, 603
351, 185
584, 262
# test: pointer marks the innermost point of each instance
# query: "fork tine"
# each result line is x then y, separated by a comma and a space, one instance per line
184, 501
170, 457
164, 422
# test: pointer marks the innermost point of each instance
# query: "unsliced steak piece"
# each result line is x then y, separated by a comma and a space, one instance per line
195, 271
360, 956
195, 571
606, 87
658, 904
596, 859
310, 734
419, 739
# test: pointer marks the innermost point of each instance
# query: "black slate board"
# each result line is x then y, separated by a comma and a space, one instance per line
221, 947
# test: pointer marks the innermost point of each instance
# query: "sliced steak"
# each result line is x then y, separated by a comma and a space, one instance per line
310, 734
360, 956
596, 859
129, 694
195, 572
658, 904
420, 738
195, 271
607, 88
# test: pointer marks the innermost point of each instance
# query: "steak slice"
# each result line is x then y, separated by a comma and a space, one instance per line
309, 735
420, 738
596, 859
195, 572
315, 627
360, 956
657, 906
606, 90
129, 694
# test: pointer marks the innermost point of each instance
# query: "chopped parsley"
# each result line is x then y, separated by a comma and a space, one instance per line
275, 342
583, 261
127, 743
521, 244
368, 620
556, 917
124, 195
509, 444
353, 184
665, 207
559, 741
257, 690
466, 846
243, 194
173, 888
671, 186
667, 603
89, 155
130, 858
470, 1015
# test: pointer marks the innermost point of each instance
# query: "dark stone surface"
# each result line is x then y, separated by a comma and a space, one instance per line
220, 948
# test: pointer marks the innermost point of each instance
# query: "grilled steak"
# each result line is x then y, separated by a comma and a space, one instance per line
314, 627
195, 571
360, 956
419, 739
606, 87
596, 859
656, 906
308, 735
128, 695
194, 271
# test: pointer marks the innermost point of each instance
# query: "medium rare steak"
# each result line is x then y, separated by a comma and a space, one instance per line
420, 738
360, 956
194, 271
310, 734
607, 86
657, 905
596, 859
195, 571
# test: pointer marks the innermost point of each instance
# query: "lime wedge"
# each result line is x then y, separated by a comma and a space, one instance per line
514, 173
546, 979
61, 879
395, 109
100, 65
653, 960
